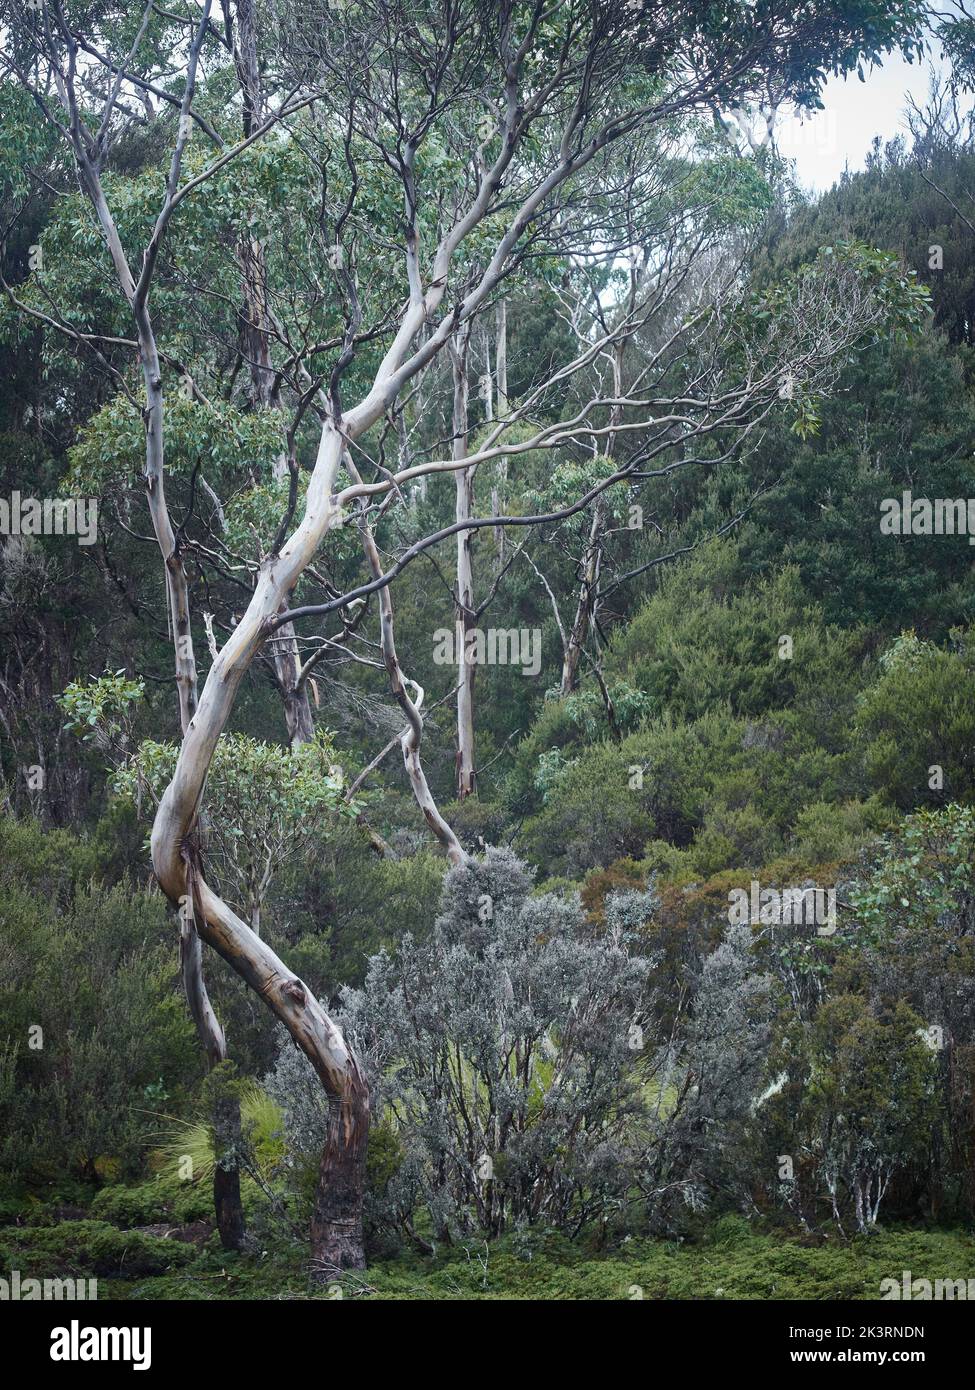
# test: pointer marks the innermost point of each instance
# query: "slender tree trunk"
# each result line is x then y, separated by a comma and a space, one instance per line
593, 554
579, 631
228, 1209
225, 1115
254, 317
499, 489
255, 346
410, 740
486, 380
294, 696
465, 615
501, 356
225, 1108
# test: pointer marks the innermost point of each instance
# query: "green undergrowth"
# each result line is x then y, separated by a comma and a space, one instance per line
732, 1261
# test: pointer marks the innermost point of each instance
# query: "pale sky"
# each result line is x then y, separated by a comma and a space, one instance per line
855, 112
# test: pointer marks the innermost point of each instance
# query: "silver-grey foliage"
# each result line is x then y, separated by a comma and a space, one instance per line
709, 1077
514, 1056
502, 1048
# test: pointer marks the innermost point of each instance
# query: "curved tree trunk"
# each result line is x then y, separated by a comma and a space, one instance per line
337, 1230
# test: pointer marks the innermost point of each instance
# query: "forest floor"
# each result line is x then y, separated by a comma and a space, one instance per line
731, 1260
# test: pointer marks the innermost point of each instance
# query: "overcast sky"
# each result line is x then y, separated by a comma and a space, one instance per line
825, 143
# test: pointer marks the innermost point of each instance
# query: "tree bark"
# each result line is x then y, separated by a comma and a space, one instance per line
336, 1227
501, 367
227, 1138
465, 615
579, 631
255, 346
337, 1230
225, 1110
410, 741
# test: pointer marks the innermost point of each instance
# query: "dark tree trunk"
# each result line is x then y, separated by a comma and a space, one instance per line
336, 1227
224, 1103
226, 1173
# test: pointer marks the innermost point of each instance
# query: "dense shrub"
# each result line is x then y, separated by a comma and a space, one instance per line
917, 723
92, 1247
97, 1037
501, 1050
164, 1198
704, 641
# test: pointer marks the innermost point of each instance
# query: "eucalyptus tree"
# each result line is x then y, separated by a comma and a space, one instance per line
422, 217
48, 55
